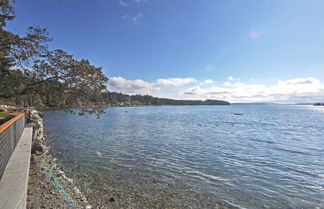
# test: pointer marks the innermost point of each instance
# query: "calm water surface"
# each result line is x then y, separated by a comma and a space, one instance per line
187, 156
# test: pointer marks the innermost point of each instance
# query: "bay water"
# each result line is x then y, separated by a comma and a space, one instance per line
271, 156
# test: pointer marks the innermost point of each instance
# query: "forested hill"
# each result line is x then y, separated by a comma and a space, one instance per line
109, 99
115, 98
32, 74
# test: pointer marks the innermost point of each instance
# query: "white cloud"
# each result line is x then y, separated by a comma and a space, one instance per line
132, 86
306, 89
231, 78
294, 90
297, 86
175, 82
207, 82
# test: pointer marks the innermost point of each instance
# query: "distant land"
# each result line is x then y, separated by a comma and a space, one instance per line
120, 99
111, 99
305, 103
255, 103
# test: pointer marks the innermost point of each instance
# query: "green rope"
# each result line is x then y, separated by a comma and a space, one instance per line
58, 187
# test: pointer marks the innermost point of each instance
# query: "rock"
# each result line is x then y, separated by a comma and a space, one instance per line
60, 173
38, 132
6, 108
38, 147
99, 155
111, 199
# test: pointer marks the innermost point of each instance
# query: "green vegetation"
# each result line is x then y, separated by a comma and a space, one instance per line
31, 72
4, 114
33, 75
114, 98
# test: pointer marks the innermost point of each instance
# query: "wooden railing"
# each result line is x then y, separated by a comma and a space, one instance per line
10, 133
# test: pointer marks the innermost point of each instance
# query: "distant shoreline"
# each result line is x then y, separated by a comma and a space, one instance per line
124, 105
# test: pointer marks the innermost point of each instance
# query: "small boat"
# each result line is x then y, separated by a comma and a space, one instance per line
237, 113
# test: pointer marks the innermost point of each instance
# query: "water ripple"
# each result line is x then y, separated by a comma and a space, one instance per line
271, 157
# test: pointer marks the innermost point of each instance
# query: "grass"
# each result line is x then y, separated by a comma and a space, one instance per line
4, 114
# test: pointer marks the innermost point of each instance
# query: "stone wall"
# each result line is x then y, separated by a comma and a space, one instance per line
39, 140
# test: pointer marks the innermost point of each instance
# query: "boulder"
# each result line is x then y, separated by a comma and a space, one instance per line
39, 140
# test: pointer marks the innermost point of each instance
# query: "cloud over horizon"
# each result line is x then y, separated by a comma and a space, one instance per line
141, 86
295, 90
307, 89
132, 86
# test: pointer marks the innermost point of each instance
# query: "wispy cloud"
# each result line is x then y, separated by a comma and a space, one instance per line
125, 16
138, 17
123, 3
140, 1
175, 82
231, 78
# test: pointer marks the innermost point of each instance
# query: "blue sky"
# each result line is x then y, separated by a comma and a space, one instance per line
251, 50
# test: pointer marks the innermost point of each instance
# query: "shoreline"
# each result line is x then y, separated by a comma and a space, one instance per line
42, 193
54, 184
49, 187
42, 108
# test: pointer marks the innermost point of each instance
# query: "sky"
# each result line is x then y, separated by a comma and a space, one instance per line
235, 50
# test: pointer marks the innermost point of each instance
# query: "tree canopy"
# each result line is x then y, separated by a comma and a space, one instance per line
29, 69
32, 74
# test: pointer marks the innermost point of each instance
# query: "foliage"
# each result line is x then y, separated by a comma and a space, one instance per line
65, 77
114, 98
29, 70
6, 12
33, 75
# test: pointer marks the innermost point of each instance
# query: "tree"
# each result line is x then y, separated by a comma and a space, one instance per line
73, 80
28, 69
6, 12
16, 55
17, 52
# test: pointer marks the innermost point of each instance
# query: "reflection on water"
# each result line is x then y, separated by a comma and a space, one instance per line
194, 156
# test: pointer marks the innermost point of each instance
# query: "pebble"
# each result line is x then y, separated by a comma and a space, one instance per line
99, 155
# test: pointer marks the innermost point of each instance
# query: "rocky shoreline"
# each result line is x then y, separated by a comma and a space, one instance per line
48, 186
53, 186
